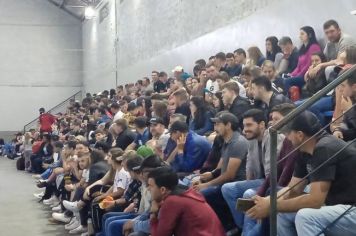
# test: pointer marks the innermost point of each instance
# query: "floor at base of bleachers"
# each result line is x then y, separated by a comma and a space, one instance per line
20, 212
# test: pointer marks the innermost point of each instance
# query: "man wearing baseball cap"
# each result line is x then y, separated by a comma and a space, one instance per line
191, 150
330, 164
231, 167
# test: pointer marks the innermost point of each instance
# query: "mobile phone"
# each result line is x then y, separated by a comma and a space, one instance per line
244, 204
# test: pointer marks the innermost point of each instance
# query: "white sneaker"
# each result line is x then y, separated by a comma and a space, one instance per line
71, 206
79, 230
38, 195
57, 208
61, 217
55, 204
51, 201
70, 222
85, 234
37, 177
75, 225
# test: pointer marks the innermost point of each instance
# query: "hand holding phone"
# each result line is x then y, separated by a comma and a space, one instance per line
244, 204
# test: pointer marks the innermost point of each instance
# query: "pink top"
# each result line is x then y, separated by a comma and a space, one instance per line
304, 61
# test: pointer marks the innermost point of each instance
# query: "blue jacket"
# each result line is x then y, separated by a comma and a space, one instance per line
196, 150
208, 125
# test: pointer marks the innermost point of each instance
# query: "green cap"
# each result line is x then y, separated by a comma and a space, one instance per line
145, 151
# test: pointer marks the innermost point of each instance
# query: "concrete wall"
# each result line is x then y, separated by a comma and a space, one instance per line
99, 56
41, 59
159, 34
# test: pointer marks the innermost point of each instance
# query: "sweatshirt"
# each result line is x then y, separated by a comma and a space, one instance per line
186, 214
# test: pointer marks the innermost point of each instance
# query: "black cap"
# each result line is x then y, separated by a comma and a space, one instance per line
225, 117
150, 162
179, 126
42, 110
156, 120
306, 122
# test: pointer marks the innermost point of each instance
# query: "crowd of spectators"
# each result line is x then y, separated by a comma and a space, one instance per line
190, 154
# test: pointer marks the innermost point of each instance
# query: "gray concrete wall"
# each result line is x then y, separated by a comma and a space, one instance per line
41, 59
159, 34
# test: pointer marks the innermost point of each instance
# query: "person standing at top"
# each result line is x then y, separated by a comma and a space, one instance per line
46, 120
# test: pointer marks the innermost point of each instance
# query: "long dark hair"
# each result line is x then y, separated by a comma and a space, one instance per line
218, 95
312, 39
275, 48
199, 116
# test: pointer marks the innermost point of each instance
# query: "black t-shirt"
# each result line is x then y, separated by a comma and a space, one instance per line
293, 61
185, 110
159, 87
125, 139
339, 170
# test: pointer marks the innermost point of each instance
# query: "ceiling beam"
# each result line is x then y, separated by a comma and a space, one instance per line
65, 9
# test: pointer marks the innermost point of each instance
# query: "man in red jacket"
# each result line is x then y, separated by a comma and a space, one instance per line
46, 121
179, 211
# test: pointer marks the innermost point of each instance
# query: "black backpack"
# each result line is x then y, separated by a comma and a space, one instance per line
20, 163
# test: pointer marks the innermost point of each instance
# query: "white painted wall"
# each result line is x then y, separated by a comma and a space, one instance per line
159, 34
99, 52
40, 59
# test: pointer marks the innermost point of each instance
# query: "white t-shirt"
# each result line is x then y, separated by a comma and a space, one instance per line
163, 140
118, 115
85, 175
212, 86
122, 180
242, 90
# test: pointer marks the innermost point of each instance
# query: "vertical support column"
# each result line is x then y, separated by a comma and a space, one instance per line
273, 182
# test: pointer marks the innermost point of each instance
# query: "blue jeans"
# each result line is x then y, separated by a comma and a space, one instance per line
46, 173
310, 222
113, 223
251, 227
293, 81
322, 105
232, 191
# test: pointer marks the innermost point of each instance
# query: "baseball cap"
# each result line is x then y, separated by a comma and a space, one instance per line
156, 120
177, 69
145, 151
306, 122
150, 162
179, 126
225, 117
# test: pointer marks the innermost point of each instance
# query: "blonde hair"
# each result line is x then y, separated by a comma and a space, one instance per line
268, 63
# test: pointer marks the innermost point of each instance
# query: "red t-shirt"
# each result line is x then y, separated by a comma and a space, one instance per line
46, 122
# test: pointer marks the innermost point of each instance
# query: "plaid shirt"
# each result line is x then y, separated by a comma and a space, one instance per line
133, 192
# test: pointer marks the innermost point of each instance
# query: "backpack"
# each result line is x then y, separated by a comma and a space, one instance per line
20, 163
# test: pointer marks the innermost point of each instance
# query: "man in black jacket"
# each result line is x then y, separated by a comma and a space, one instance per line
236, 104
262, 91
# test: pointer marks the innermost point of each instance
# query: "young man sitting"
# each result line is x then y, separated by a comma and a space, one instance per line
177, 210
191, 150
330, 164
231, 167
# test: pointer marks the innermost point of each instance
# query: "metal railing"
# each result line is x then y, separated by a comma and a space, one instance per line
273, 142
61, 107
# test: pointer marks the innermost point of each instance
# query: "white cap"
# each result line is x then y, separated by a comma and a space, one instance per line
177, 69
